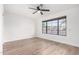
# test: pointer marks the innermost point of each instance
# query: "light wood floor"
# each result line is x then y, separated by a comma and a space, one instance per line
38, 46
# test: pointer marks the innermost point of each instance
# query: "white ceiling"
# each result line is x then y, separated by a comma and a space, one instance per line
23, 9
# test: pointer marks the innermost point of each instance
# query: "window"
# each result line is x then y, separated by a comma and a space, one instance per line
52, 27
44, 27
62, 27
55, 26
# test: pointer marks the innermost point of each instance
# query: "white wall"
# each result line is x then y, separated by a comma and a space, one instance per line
18, 27
72, 37
1, 23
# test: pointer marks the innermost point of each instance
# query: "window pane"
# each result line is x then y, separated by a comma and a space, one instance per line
52, 27
62, 27
49, 27
43, 27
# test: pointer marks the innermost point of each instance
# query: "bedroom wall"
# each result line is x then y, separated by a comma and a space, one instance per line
1, 23
72, 37
18, 27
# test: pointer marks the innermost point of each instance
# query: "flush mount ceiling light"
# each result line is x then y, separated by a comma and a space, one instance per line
39, 9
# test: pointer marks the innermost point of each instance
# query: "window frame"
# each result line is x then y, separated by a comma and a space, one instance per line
56, 19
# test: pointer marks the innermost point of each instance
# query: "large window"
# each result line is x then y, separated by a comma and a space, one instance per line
55, 26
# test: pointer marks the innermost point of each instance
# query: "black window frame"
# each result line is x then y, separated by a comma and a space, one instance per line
54, 19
